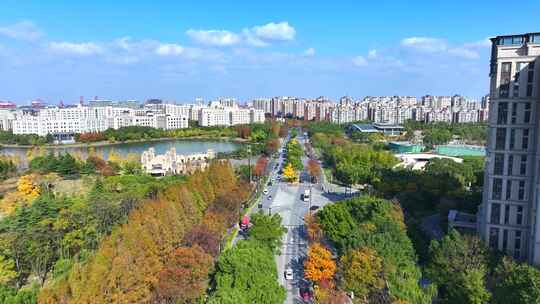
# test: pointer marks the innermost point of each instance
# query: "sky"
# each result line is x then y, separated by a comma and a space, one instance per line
179, 50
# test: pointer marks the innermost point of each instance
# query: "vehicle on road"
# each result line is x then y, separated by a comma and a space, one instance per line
289, 274
244, 224
305, 196
265, 191
313, 208
270, 197
270, 183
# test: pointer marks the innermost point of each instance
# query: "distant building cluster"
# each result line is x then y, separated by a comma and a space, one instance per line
382, 109
100, 115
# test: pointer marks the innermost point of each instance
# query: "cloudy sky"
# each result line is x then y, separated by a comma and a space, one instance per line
178, 51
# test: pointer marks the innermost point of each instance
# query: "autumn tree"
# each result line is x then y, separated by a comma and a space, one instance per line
361, 272
319, 264
313, 228
184, 278
205, 238
314, 169
260, 166
290, 174
272, 146
28, 186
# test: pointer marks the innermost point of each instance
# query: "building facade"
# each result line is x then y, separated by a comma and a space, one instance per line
509, 217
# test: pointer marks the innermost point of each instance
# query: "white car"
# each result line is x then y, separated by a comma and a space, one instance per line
265, 191
288, 274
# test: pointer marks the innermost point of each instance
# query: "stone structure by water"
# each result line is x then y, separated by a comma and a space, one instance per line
171, 163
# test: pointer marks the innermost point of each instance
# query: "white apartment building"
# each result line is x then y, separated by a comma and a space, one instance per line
509, 218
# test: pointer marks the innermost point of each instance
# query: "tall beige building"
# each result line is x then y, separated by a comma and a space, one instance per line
509, 218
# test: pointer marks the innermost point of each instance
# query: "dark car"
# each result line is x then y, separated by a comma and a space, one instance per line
313, 208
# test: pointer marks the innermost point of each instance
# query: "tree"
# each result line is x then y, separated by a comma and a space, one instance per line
361, 272
516, 283
272, 146
267, 229
313, 228
247, 274
28, 187
260, 166
184, 278
319, 264
458, 266
290, 174
7, 272
204, 237
314, 169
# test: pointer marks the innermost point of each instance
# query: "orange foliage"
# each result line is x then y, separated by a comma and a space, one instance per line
260, 166
129, 265
314, 168
243, 131
314, 230
184, 279
319, 264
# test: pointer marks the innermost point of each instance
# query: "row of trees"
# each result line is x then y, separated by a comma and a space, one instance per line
376, 258
68, 166
293, 161
165, 250
353, 163
441, 132
247, 272
7, 137
7, 168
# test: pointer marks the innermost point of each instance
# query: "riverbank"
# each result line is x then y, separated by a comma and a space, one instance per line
108, 143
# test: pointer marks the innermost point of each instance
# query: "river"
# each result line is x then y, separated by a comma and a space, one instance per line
183, 146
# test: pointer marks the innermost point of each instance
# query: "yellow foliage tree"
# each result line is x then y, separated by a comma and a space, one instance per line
28, 187
290, 174
319, 264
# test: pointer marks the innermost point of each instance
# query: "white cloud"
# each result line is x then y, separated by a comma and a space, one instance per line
169, 50
464, 53
214, 37
483, 43
84, 48
372, 54
24, 30
360, 61
425, 44
258, 36
275, 31
309, 52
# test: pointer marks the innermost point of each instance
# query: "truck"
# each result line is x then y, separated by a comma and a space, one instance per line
305, 196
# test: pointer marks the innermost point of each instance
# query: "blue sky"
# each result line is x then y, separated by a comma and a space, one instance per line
179, 50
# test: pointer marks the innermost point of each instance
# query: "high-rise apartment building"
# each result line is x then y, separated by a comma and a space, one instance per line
509, 219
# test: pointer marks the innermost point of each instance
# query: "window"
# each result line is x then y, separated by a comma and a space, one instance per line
523, 165
527, 114
508, 189
525, 139
530, 79
502, 112
506, 214
498, 164
495, 213
521, 190
493, 237
497, 189
500, 138
514, 112
504, 86
534, 38
519, 215
505, 239
512, 139
517, 244
510, 165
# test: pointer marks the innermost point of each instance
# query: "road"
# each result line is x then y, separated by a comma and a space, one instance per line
285, 199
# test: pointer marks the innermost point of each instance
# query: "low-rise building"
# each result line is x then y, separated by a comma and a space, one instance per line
171, 163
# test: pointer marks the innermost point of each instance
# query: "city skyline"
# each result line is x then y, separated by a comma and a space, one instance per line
183, 51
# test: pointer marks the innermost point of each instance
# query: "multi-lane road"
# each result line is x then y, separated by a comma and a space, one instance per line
286, 199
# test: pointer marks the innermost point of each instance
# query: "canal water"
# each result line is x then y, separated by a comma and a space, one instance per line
183, 146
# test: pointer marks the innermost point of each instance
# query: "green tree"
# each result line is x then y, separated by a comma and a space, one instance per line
458, 266
267, 229
516, 283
